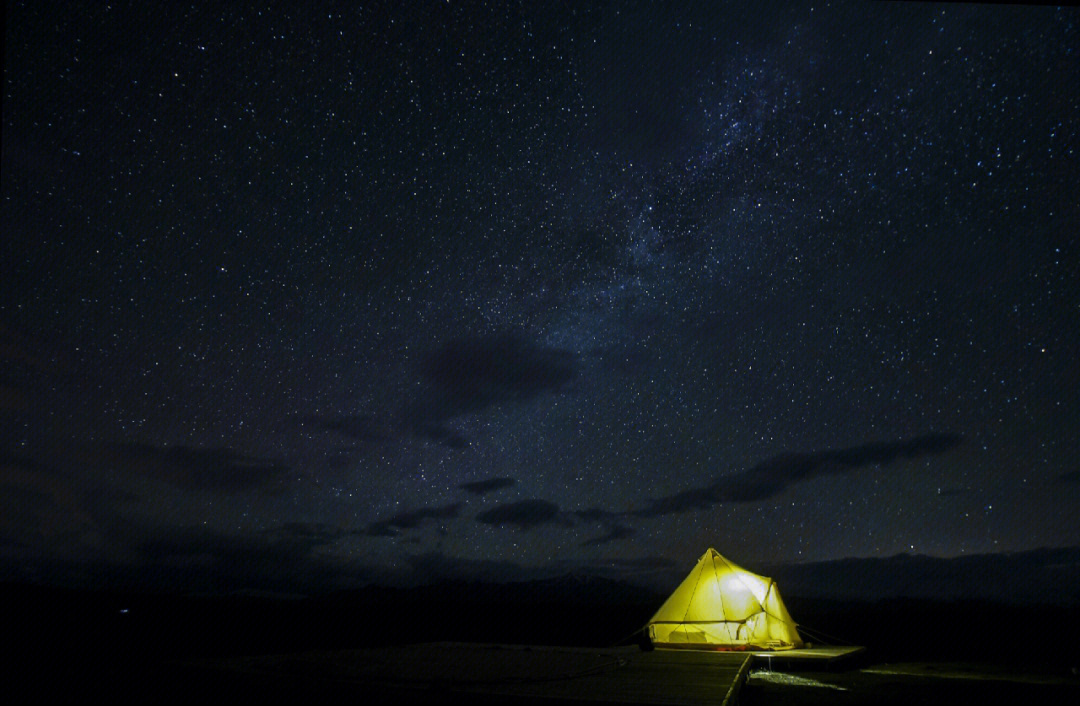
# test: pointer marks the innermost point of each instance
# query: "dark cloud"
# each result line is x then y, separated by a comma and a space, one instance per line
47, 508
774, 475
568, 580
523, 514
381, 529
1070, 477
465, 376
481, 487
612, 520
695, 499
190, 468
125, 552
369, 428
468, 376
595, 514
477, 373
363, 427
634, 569
391, 526
340, 459
39, 506
618, 532
437, 432
431, 567
196, 558
310, 534
1042, 576
646, 563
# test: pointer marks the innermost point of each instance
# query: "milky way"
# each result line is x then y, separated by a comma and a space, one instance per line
305, 297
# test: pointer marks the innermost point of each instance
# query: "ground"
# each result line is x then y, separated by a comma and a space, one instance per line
922, 683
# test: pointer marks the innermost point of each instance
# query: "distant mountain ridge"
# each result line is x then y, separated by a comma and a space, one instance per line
1046, 575
572, 588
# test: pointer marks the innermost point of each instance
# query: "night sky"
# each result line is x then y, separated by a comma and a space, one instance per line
299, 297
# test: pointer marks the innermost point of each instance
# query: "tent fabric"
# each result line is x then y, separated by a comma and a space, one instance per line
722, 606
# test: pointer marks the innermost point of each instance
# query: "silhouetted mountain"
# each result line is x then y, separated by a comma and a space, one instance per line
1039, 576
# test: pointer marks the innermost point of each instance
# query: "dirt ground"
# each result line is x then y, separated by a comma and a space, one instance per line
228, 680
919, 683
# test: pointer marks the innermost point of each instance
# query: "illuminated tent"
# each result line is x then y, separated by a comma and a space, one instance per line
723, 606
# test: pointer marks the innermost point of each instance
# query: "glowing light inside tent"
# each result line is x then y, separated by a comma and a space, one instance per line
723, 605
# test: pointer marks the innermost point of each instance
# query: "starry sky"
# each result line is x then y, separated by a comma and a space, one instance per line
304, 296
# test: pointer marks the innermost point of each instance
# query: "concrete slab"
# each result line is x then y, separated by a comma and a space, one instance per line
517, 673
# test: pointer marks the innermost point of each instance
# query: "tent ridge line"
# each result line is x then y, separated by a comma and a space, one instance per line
697, 622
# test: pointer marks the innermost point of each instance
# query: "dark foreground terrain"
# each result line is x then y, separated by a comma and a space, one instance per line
921, 684
80, 647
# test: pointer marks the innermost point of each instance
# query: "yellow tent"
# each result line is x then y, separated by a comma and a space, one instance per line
723, 606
